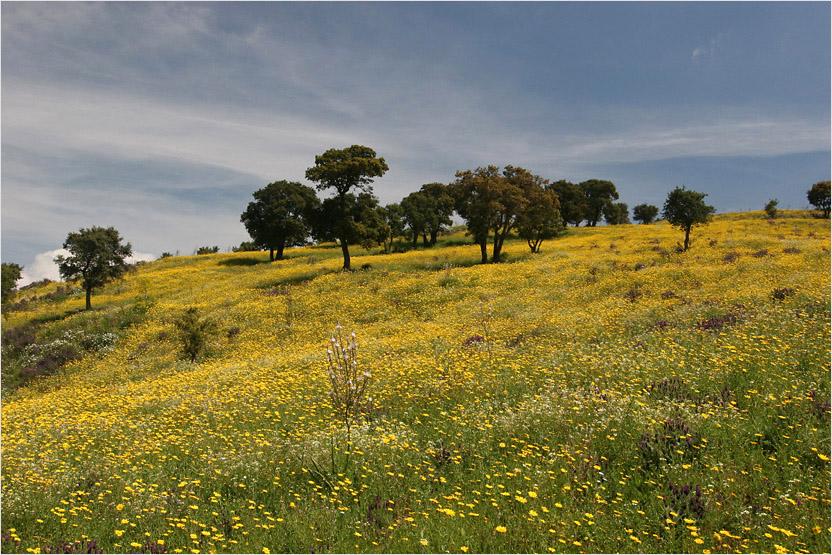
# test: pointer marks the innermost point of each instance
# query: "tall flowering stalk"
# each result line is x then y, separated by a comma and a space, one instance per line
348, 383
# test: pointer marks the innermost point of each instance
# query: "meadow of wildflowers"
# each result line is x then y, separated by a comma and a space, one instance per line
609, 394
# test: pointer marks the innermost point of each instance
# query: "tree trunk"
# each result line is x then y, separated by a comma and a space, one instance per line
415, 238
271, 253
484, 251
425, 240
433, 235
280, 251
89, 298
687, 237
346, 251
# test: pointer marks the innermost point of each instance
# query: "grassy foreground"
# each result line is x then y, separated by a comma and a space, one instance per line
606, 395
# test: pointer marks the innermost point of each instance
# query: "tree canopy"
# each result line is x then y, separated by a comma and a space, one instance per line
819, 197
598, 194
572, 200
10, 276
280, 216
541, 219
350, 168
685, 209
96, 256
616, 213
645, 213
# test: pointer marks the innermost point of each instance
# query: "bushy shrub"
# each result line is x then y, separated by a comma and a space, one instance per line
194, 333
208, 250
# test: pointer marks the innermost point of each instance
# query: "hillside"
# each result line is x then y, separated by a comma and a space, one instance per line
607, 395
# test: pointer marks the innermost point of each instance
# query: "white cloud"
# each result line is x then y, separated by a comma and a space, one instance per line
44, 267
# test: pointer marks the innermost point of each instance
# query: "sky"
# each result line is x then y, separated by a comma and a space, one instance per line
162, 118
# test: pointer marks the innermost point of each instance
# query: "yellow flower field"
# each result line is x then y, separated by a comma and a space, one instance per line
606, 395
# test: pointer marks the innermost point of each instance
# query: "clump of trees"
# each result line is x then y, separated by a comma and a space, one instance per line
96, 257
685, 209
492, 203
645, 213
819, 197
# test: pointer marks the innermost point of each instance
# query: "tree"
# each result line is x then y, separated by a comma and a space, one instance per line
473, 193
279, 216
350, 168
819, 197
598, 194
685, 209
645, 213
394, 218
10, 276
356, 219
572, 200
541, 219
442, 208
416, 209
771, 208
96, 257
616, 213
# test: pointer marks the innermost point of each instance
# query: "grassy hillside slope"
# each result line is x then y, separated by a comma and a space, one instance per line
606, 395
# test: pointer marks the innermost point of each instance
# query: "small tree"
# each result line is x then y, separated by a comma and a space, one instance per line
474, 197
10, 276
645, 213
194, 333
685, 209
344, 170
416, 212
207, 250
616, 213
572, 200
96, 257
819, 197
598, 193
355, 219
541, 219
771, 208
280, 216
393, 217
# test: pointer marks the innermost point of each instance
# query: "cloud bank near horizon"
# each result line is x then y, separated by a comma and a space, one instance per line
44, 267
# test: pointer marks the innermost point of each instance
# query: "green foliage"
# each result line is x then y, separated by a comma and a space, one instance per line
616, 213
491, 202
394, 219
280, 216
771, 208
541, 219
96, 257
685, 209
343, 170
572, 200
207, 250
819, 197
598, 193
354, 219
645, 213
194, 333
10, 276
246, 246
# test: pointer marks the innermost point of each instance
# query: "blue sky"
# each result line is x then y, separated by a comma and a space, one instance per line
162, 119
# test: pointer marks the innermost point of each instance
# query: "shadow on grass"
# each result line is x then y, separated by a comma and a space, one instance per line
293, 280
248, 261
